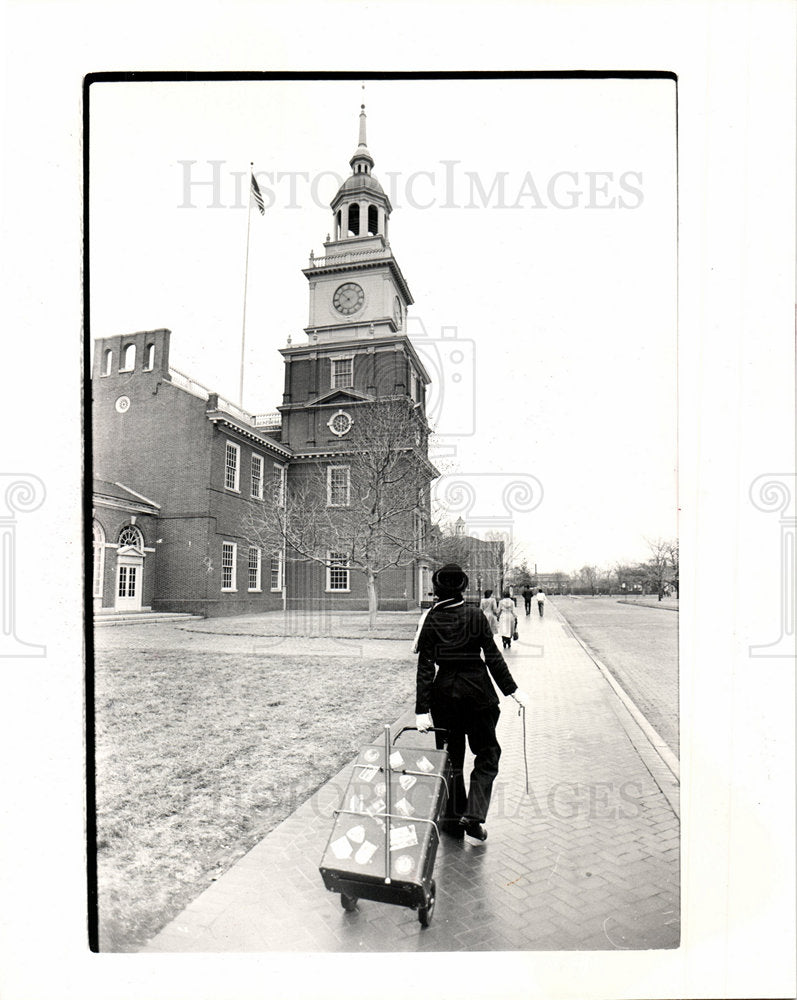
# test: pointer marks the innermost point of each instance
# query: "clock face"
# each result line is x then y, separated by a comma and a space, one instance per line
397, 311
348, 298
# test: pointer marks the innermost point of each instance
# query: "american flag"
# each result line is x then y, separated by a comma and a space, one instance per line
258, 196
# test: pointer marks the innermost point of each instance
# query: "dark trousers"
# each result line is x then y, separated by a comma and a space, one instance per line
541, 606
527, 601
477, 723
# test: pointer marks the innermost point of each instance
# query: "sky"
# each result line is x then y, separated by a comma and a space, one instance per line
535, 223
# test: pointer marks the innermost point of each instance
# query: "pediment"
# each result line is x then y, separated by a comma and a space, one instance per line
339, 397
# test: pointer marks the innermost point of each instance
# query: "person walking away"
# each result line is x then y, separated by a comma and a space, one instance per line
456, 640
541, 601
489, 607
507, 619
528, 593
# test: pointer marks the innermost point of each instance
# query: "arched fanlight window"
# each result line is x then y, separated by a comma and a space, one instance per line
131, 537
128, 358
354, 220
99, 557
373, 220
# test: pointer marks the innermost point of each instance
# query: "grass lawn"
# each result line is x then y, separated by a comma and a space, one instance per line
199, 754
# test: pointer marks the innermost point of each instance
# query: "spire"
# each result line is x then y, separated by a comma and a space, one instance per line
362, 161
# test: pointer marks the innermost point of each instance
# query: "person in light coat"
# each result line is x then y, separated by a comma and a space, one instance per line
489, 607
507, 619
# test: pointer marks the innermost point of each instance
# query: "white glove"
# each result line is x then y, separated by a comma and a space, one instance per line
521, 698
423, 723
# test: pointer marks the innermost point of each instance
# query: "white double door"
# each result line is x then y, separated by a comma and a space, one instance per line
129, 582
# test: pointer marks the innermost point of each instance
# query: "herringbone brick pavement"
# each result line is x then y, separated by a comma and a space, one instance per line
588, 858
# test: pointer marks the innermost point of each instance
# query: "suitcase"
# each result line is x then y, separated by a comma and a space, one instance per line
385, 834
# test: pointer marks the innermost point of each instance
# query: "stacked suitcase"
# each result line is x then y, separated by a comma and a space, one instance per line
385, 834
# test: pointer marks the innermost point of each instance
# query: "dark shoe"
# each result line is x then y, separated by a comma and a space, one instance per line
453, 828
473, 828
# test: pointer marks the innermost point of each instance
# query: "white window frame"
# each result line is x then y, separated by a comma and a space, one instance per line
129, 351
338, 558
257, 494
330, 470
278, 588
237, 470
279, 471
257, 567
98, 552
226, 546
333, 374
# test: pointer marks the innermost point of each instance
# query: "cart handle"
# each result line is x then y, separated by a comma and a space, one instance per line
431, 729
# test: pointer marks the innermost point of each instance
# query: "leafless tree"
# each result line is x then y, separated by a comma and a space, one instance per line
589, 577
373, 508
657, 564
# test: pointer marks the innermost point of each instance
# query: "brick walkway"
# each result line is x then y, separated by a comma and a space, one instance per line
589, 859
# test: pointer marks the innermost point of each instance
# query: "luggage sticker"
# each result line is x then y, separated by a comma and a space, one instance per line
404, 864
380, 788
365, 853
368, 773
378, 805
356, 834
371, 755
424, 764
404, 807
402, 837
396, 760
341, 848
407, 781
356, 803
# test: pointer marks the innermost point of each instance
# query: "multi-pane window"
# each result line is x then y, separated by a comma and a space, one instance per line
228, 553
257, 477
276, 571
99, 551
127, 581
232, 454
254, 568
337, 571
279, 484
131, 537
342, 373
338, 485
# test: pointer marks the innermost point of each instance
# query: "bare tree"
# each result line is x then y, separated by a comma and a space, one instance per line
589, 576
657, 564
673, 554
366, 509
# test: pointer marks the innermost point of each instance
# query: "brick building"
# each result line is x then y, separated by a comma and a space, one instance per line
179, 468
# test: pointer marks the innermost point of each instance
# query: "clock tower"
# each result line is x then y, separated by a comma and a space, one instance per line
357, 347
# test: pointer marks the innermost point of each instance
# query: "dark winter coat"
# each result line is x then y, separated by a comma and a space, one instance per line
453, 638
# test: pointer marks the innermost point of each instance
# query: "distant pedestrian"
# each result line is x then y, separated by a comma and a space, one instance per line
528, 593
457, 641
489, 607
541, 601
507, 619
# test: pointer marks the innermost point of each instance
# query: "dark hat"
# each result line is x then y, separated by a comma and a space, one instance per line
449, 579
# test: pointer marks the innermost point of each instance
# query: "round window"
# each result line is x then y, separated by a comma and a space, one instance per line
340, 423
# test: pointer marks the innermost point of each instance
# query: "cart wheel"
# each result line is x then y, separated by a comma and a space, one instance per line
425, 912
349, 903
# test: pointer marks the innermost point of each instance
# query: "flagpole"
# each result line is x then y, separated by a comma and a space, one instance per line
246, 283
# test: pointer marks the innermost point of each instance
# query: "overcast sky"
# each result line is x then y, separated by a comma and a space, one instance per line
547, 316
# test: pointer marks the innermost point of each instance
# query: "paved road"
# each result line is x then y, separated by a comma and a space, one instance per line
640, 646
587, 858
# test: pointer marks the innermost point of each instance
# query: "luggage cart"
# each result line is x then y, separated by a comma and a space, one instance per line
385, 834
